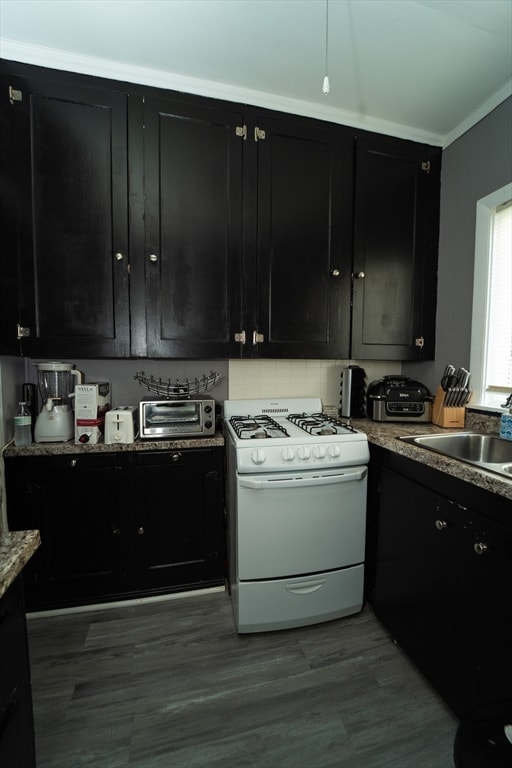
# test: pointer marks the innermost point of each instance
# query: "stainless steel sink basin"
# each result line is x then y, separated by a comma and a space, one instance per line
484, 450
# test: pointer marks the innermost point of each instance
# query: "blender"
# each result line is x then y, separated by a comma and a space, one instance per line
56, 384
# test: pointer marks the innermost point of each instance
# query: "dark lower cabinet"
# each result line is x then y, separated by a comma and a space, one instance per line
178, 503
443, 567
17, 747
118, 525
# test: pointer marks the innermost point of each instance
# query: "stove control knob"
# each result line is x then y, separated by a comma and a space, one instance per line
303, 452
334, 451
288, 454
258, 457
319, 452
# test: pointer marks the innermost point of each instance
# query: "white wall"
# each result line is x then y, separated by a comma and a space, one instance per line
298, 378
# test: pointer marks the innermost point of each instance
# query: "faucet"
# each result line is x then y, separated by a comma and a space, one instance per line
508, 402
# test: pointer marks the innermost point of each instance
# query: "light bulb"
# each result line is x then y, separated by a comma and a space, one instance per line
326, 87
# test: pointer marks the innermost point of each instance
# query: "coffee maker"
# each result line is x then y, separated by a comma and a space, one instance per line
56, 381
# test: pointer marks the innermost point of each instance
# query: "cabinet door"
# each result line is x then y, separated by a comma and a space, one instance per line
303, 241
420, 585
17, 748
70, 218
179, 519
488, 574
81, 508
396, 236
193, 167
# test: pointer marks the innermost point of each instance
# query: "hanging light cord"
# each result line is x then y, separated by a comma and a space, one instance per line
326, 85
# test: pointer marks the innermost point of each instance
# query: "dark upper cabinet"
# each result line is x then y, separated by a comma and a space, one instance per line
396, 233
189, 290
138, 222
297, 237
68, 224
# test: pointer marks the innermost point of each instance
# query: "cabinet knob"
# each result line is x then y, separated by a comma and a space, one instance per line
480, 547
359, 275
335, 272
441, 525
140, 531
73, 463
118, 256
175, 456
116, 531
153, 257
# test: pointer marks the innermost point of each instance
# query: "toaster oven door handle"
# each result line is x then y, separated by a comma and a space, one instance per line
301, 481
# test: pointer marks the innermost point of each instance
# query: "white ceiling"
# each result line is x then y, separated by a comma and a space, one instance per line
424, 69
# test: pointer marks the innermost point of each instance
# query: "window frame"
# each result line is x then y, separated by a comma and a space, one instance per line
485, 208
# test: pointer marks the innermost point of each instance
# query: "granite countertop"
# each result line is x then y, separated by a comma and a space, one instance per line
16, 549
60, 449
387, 434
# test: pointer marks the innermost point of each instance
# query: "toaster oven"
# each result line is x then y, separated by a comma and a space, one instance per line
161, 418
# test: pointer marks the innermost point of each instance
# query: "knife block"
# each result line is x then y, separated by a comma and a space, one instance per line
444, 416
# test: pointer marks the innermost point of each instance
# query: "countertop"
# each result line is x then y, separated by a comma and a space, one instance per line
387, 434
384, 434
16, 549
59, 449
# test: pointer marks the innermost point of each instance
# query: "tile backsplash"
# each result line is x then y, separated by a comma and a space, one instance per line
298, 378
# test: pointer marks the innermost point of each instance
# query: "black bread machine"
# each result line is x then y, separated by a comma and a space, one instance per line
398, 398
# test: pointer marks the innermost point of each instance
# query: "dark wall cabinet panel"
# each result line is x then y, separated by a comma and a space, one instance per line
193, 176
304, 238
72, 217
396, 236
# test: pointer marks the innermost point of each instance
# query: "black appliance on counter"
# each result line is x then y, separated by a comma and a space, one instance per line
353, 392
398, 398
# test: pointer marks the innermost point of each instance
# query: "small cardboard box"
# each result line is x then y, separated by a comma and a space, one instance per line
92, 400
447, 417
89, 431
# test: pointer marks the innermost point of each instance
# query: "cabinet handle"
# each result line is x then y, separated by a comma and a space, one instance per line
359, 275
116, 531
441, 525
118, 256
140, 531
335, 272
153, 257
175, 456
481, 548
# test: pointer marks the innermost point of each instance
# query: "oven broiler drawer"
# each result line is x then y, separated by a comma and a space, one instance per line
261, 606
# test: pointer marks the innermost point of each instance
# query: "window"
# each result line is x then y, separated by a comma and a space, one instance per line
491, 342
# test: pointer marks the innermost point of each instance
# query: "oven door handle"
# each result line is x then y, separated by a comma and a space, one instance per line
306, 587
300, 481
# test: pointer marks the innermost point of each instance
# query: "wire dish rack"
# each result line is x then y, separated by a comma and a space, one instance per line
175, 389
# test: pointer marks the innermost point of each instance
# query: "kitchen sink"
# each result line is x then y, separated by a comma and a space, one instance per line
481, 449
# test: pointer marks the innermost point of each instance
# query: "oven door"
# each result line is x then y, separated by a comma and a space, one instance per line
296, 523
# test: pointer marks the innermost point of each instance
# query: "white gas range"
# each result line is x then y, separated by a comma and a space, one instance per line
296, 506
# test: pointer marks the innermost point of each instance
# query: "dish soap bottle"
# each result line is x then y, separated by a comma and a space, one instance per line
23, 425
506, 425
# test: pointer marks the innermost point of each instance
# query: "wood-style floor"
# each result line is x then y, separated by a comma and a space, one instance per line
172, 685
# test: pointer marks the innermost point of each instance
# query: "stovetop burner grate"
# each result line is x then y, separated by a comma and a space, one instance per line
257, 427
320, 424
